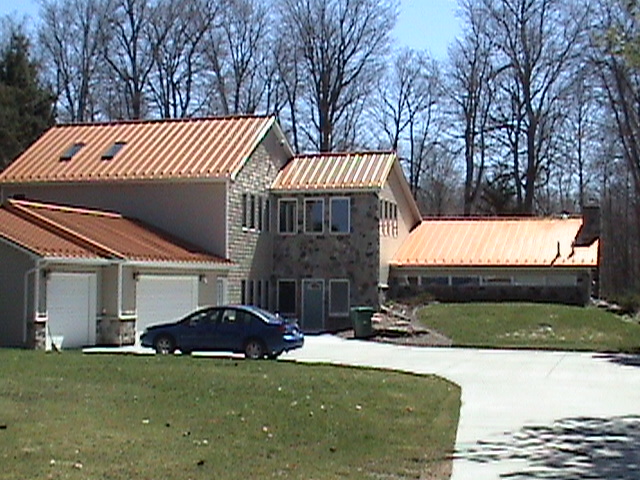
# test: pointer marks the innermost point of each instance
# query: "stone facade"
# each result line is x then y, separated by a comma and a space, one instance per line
354, 256
250, 247
116, 331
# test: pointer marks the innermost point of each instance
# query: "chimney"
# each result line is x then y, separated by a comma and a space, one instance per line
590, 230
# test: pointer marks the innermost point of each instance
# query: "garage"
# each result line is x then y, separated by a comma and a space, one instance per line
164, 298
71, 309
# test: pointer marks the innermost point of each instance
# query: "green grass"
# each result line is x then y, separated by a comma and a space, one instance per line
540, 326
74, 416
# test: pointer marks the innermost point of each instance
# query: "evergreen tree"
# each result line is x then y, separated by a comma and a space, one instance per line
26, 105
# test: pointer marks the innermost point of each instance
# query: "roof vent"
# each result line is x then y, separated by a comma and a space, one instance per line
71, 151
113, 150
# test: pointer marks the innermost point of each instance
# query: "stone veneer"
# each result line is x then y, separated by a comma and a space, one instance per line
354, 257
250, 249
116, 331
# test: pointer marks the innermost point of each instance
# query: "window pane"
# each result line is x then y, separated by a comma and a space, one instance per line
252, 212
287, 297
339, 293
314, 216
340, 215
244, 209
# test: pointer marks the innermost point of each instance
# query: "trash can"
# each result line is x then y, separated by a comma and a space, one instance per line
361, 321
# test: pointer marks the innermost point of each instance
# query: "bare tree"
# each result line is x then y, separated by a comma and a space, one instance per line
471, 89
238, 57
129, 50
176, 82
70, 35
341, 46
537, 44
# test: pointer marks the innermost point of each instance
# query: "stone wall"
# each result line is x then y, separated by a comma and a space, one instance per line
116, 331
250, 248
354, 256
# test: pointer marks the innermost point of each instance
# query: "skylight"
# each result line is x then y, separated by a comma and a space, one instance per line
113, 150
71, 151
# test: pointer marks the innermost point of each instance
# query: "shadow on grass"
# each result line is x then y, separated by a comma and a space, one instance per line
627, 359
570, 449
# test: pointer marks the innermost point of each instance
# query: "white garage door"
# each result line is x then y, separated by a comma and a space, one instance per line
71, 307
161, 299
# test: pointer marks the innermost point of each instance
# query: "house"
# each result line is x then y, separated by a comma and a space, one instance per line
527, 258
341, 217
85, 276
239, 218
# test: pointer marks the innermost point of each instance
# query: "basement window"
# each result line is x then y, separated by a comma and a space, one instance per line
71, 151
113, 150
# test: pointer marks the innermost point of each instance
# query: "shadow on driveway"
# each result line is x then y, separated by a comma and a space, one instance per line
570, 449
630, 360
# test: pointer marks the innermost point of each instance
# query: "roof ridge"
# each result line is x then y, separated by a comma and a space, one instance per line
54, 227
141, 121
345, 154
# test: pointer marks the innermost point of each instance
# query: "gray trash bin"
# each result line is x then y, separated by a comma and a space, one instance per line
361, 321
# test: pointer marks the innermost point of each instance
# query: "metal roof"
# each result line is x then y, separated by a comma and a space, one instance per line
496, 242
335, 171
103, 234
38, 240
203, 148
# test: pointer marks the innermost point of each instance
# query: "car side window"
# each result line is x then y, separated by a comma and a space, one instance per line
202, 318
229, 317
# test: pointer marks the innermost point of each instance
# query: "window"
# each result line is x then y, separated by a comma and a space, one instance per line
250, 300
71, 151
244, 210
464, 281
267, 215
257, 301
338, 297
287, 297
221, 291
260, 212
340, 215
243, 292
113, 150
288, 216
435, 281
314, 215
252, 211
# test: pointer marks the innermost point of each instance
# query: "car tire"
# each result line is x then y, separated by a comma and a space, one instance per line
164, 345
254, 349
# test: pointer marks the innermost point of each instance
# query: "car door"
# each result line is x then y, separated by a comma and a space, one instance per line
198, 332
230, 329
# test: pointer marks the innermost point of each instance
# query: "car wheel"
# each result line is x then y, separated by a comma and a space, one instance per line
164, 345
254, 349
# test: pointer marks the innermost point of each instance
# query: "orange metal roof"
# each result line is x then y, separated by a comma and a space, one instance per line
39, 240
205, 148
335, 171
514, 242
105, 234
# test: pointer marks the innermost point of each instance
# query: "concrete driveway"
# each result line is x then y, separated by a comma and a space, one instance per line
525, 415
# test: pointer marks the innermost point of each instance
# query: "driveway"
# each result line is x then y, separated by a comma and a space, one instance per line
525, 415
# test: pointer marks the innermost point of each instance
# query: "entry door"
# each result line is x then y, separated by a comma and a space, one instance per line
312, 305
71, 309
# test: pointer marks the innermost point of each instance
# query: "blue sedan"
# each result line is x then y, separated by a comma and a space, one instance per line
237, 328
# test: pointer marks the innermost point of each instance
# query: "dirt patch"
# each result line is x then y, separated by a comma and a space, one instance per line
399, 325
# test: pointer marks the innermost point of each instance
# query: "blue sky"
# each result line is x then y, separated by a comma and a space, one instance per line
423, 24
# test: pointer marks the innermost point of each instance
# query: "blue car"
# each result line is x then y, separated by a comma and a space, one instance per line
236, 328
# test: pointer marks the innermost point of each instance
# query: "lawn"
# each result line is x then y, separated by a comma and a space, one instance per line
75, 416
540, 326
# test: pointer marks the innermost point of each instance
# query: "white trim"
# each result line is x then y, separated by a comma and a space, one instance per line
295, 299
335, 281
331, 199
295, 219
304, 213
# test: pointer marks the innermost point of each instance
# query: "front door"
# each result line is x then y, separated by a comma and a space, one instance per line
312, 305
